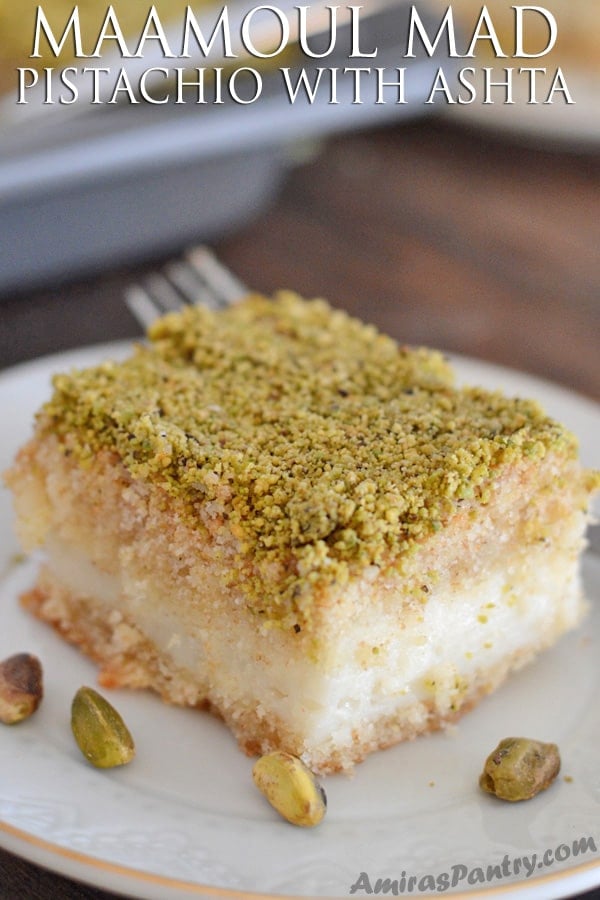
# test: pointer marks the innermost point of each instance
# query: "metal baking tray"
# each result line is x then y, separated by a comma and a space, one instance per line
88, 191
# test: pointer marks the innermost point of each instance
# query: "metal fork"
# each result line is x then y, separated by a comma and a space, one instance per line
197, 278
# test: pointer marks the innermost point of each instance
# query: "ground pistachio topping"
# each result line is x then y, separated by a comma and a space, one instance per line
334, 446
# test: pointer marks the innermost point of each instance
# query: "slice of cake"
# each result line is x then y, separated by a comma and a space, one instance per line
280, 514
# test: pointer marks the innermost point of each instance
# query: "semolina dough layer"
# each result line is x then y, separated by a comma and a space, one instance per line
386, 657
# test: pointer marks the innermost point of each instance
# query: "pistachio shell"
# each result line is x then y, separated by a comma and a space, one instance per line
99, 730
21, 688
291, 788
519, 768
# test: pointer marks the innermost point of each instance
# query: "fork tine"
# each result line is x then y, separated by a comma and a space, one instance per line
222, 283
155, 297
192, 286
141, 305
199, 279
164, 293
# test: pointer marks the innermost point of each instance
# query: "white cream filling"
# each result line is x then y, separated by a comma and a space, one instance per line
373, 668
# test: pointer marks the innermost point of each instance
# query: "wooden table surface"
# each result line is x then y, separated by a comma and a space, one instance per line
440, 235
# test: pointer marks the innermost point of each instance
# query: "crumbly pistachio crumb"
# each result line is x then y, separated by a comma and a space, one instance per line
334, 447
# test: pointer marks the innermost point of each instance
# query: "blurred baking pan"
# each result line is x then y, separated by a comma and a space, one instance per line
88, 190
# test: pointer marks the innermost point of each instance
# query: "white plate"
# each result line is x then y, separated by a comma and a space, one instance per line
184, 819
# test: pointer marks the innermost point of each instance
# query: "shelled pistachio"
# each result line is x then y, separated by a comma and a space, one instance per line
99, 730
519, 768
291, 788
21, 687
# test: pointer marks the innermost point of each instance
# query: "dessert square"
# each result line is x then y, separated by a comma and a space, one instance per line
277, 513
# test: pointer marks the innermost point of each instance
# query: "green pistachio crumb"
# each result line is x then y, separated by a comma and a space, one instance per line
333, 446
